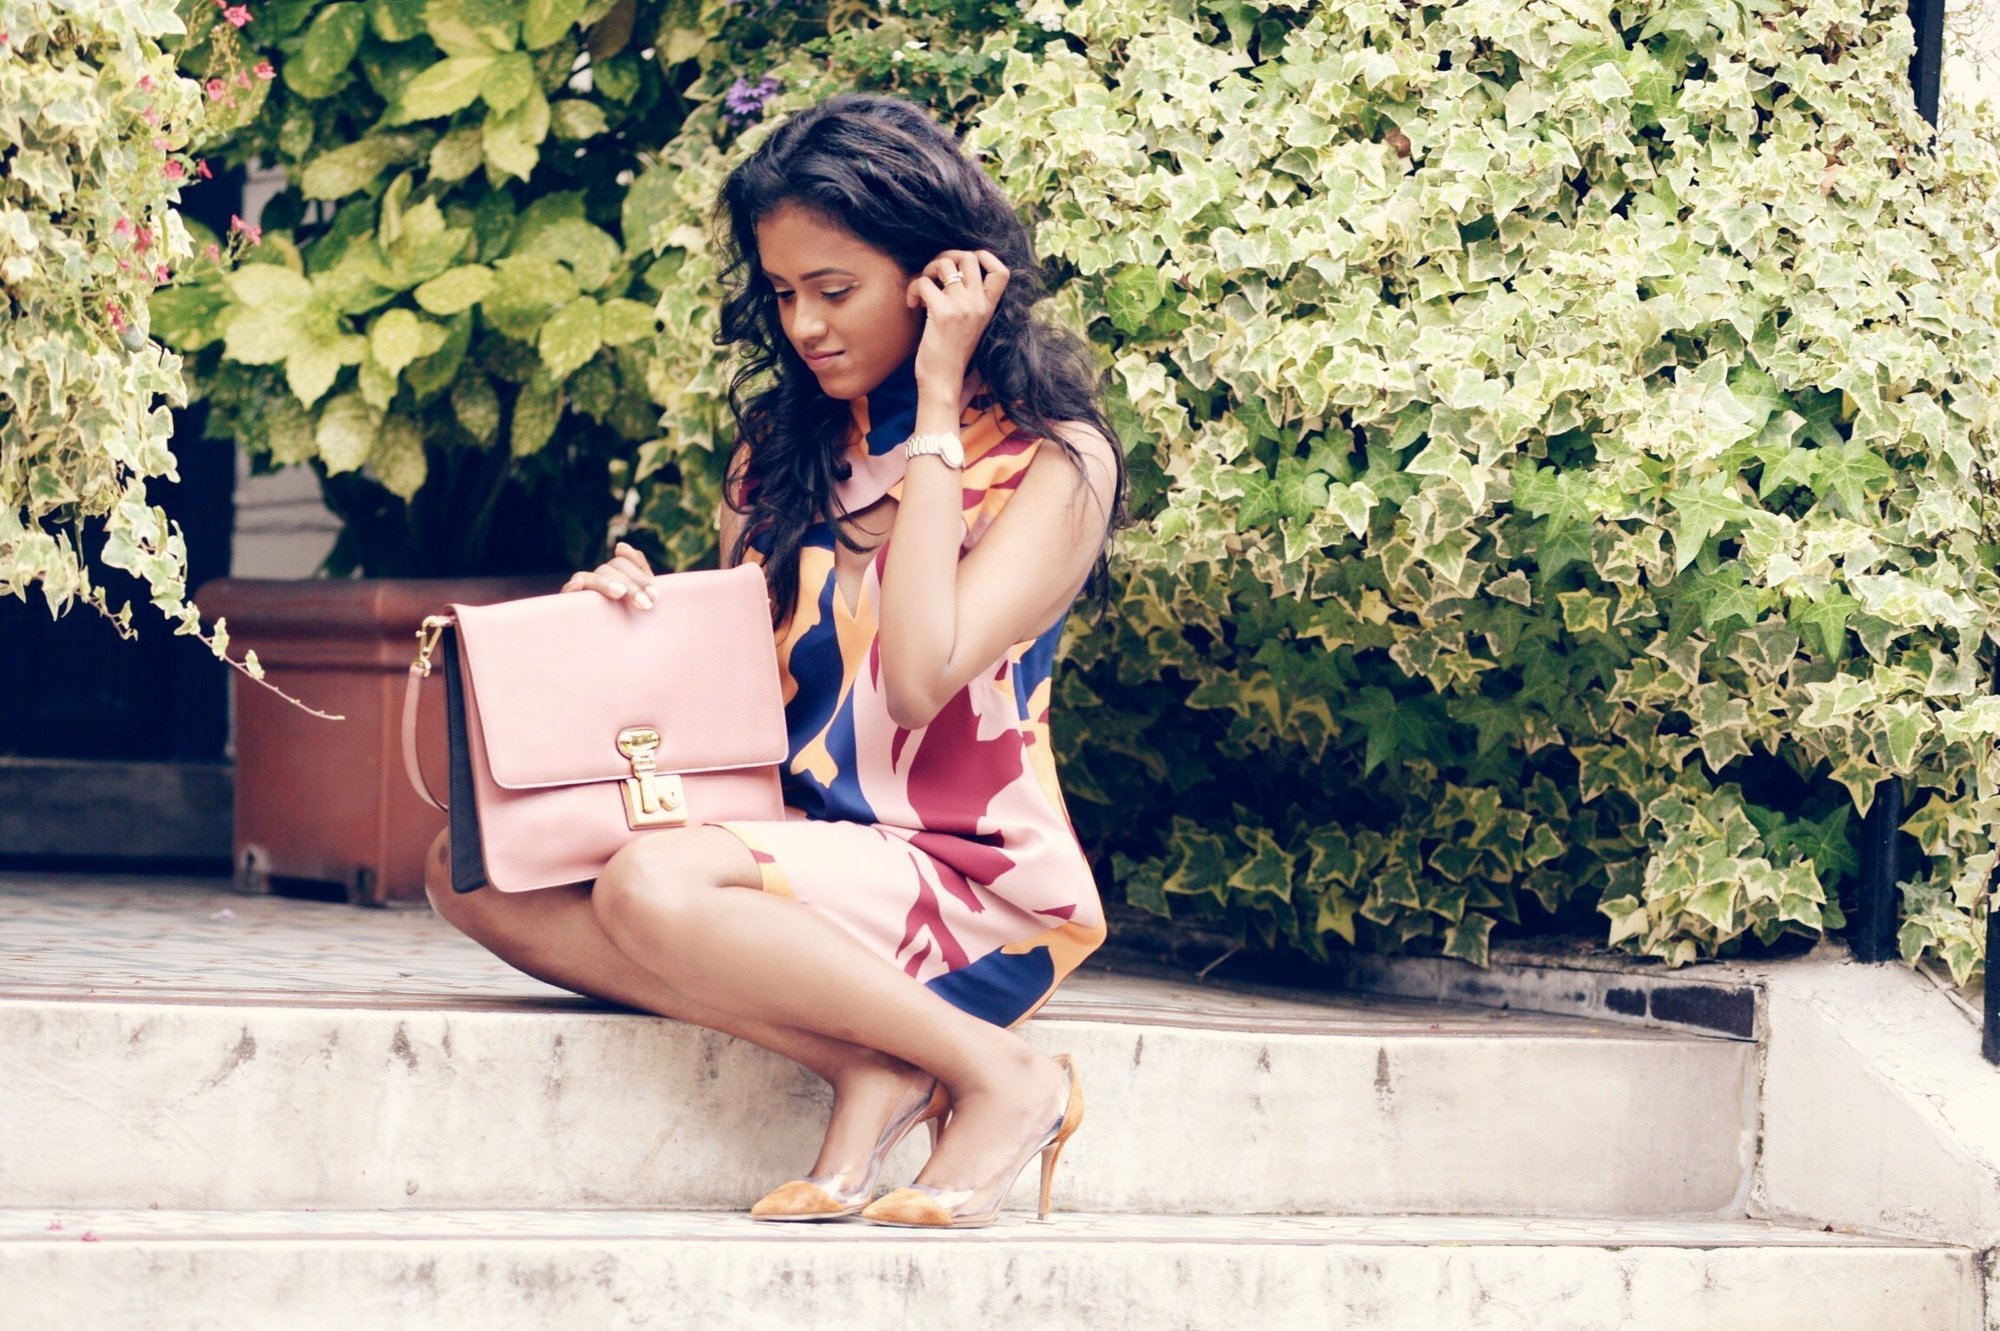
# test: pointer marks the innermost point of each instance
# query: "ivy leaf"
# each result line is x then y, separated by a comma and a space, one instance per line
1132, 295
1467, 939
1824, 841
1268, 872
1496, 723
1201, 862
1395, 728
1720, 595
1822, 621
1847, 471
1821, 413
1700, 511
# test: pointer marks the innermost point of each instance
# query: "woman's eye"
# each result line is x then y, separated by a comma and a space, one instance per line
836, 295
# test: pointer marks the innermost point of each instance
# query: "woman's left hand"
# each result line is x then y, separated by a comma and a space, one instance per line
955, 313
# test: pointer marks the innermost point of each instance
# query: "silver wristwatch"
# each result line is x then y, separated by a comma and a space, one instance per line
946, 446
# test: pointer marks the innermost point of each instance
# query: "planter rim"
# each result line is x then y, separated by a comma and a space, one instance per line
347, 623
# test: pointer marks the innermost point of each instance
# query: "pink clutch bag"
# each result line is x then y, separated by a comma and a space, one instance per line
578, 724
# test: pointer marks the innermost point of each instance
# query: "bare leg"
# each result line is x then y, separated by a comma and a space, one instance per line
553, 935
663, 902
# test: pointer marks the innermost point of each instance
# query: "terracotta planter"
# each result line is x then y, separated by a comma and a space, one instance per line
329, 800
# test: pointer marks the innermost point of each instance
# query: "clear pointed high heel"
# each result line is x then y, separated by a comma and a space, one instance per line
921, 1206
824, 1196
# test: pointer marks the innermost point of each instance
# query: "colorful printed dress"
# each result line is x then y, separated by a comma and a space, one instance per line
947, 849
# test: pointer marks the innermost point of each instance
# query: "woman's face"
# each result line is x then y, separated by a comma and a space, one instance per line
841, 301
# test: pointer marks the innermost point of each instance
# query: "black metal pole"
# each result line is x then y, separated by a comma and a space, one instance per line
1874, 936
1989, 1040
1927, 61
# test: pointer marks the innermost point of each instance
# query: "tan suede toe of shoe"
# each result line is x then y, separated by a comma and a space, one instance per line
799, 1200
907, 1206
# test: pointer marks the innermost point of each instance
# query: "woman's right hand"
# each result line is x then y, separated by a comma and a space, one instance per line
625, 574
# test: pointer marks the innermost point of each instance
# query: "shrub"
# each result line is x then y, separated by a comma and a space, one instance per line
1565, 444
444, 321
93, 122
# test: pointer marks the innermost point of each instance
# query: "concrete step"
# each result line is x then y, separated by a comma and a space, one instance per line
607, 1270
1199, 1100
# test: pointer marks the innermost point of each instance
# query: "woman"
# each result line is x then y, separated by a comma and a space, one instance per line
925, 892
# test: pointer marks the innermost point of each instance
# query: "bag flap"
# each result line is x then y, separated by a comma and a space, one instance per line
553, 679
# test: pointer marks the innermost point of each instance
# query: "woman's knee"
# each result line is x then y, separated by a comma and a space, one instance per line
649, 875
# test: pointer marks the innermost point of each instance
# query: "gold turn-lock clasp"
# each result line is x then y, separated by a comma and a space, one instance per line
428, 634
652, 798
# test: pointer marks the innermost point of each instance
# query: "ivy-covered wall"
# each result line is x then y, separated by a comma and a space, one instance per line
1562, 434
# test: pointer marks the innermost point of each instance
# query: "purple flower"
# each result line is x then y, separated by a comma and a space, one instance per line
745, 100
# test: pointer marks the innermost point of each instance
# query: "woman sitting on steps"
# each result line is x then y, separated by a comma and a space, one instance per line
926, 892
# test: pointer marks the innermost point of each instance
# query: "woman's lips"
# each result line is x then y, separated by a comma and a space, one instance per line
824, 358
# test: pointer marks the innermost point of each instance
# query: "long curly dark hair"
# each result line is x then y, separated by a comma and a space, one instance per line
887, 172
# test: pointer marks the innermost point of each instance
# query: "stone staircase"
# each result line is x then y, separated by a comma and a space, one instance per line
302, 1115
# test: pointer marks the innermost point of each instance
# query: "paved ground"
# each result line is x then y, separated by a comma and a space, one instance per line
97, 936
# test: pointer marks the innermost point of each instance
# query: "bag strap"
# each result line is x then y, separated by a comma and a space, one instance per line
420, 669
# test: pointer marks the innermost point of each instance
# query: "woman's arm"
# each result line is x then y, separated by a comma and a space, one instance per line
946, 620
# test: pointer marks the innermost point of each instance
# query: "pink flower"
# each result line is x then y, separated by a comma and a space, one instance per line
160, 273
144, 241
90, 1236
124, 265
241, 80
175, 171
214, 252
146, 82
55, 1224
201, 169
253, 234
237, 15
123, 227
264, 70
117, 315
152, 116
216, 88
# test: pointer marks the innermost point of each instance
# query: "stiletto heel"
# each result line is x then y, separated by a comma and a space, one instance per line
821, 1196
922, 1206
1049, 1156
